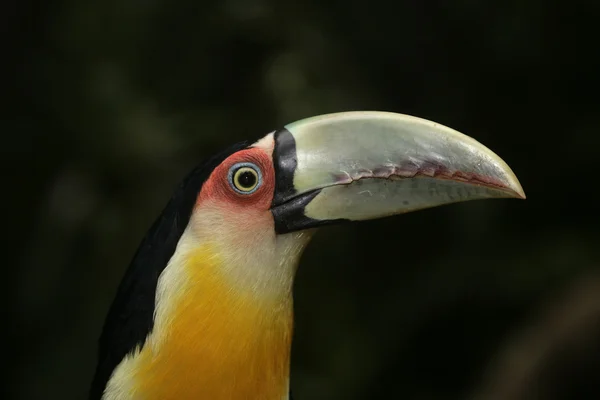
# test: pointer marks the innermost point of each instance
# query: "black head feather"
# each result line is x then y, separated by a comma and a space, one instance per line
131, 316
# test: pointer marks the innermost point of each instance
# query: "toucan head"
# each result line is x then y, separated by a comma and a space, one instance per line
260, 205
205, 309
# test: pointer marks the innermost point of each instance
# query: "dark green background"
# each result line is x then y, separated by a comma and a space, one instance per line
110, 103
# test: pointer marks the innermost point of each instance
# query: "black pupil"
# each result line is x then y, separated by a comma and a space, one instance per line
247, 179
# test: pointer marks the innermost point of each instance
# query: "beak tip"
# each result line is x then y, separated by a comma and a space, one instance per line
515, 189
519, 194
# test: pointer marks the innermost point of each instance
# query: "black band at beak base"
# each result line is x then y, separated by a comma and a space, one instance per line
284, 163
290, 216
288, 207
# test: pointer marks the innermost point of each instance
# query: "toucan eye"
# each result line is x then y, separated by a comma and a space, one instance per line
245, 178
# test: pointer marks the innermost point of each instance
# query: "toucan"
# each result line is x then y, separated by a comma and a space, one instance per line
204, 310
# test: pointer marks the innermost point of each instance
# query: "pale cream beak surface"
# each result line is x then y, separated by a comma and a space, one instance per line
371, 164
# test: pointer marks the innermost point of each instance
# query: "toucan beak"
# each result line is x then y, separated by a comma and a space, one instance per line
363, 165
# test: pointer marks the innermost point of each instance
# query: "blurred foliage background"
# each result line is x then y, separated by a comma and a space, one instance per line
110, 103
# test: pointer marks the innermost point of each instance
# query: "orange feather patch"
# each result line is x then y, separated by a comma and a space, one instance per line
218, 342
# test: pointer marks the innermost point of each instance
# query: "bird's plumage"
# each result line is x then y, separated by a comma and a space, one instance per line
131, 316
